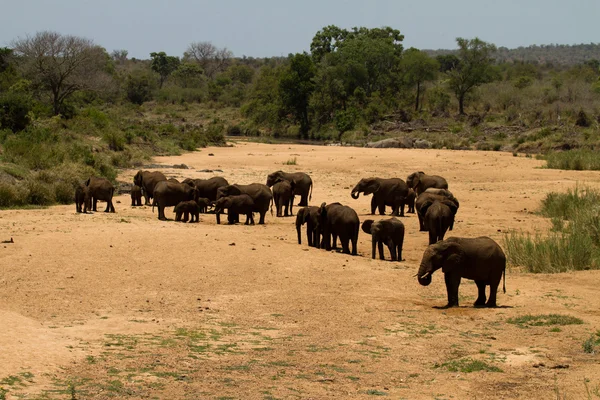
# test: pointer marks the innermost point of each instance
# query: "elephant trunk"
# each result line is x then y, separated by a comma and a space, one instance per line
298, 225
426, 269
355, 194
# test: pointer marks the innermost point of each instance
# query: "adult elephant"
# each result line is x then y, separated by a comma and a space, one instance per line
480, 259
147, 180
336, 220
420, 181
207, 188
302, 184
386, 231
428, 197
169, 194
260, 194
386, 192
101, 189
310, 217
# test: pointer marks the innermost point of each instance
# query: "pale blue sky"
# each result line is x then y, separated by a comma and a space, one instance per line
261, 28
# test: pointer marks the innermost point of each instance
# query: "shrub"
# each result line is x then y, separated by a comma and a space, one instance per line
138, 88
115, 140
11, 195
39, 193
14, 111
578, 159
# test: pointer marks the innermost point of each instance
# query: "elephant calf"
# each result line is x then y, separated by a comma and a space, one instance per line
235, 205
480, 259
388, 231
410, 201
283, 196
136, 196
310, 217
187, 208
82, 198
204, 204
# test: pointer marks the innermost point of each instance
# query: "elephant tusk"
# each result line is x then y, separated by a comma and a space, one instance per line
415, 275
425, 276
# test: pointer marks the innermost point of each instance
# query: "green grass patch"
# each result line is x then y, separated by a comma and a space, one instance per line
544, 320
374, 392
578, 159
573, 242
467, 365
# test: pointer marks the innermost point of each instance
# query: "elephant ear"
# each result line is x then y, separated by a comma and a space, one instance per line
301, 216
322, 212
425, 206
451, 205
372, 187
366, 226
452, 254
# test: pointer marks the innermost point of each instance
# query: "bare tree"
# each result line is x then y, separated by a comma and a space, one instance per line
209, 57
61, 64
119, 56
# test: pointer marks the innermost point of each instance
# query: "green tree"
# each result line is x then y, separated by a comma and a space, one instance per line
188, 75
447, 62
296, 86
163, 65
264, 106
138, 87
418, 68
62, 65
474, 68
327, 41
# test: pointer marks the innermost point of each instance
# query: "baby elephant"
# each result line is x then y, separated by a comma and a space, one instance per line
136, 196
204, 204
283, 196
83, 198
388, 231
410, 201
186, 208
235, 205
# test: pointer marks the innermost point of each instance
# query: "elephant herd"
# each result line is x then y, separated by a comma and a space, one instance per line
479, 259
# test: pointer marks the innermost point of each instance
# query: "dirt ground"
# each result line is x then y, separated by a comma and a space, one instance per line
125, 306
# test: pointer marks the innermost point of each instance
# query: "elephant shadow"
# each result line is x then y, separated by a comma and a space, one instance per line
468, 307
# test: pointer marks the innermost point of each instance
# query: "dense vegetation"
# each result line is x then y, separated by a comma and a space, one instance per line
574, 240
68, 108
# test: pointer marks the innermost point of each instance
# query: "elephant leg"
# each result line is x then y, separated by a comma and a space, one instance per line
395, 211
107, 206
345, 244
218, 218
316, 239
161, 213
392, 248
432, 237
402, 208
493, 289
380, 248
261, 221
374, 248
421, 223
112, 206
452, 284
480, 302
381, 207
303, 199
451, 223
291, 208
373, 205
334, 237
146, 198
94, 204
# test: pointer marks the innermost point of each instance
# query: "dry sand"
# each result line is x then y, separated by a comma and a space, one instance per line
125, 306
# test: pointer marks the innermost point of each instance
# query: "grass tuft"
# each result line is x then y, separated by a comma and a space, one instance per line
544, 320
467, 365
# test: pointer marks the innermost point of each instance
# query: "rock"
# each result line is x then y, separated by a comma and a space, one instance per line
397, 143
422, 144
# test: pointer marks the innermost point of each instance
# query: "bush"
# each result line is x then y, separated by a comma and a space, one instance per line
11, 195
14, 111
138, 88
115, 140
40, 193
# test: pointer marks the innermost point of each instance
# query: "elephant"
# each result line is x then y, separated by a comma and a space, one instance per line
310, 217
303, 184
187, 208
419, 182
147, 180
338, 220
173, 180
204, 203
438, 216
261, 196
410, 201
82, 198
388, 231
169, 194
427, 197
236, 205
101, 189
386, 192
136, 196
207, 187
283, 195
480, 259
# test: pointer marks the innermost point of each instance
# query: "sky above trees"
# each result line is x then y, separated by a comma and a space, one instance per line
265, 28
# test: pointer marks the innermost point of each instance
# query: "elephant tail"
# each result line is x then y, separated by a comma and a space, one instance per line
504, 280
153, 204
272, 206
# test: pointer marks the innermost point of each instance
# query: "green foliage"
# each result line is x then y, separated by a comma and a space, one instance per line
138, 87
474, 68
295, 88
15, 109
579, 160
188, 75
418, 68
571, 246
163, 65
